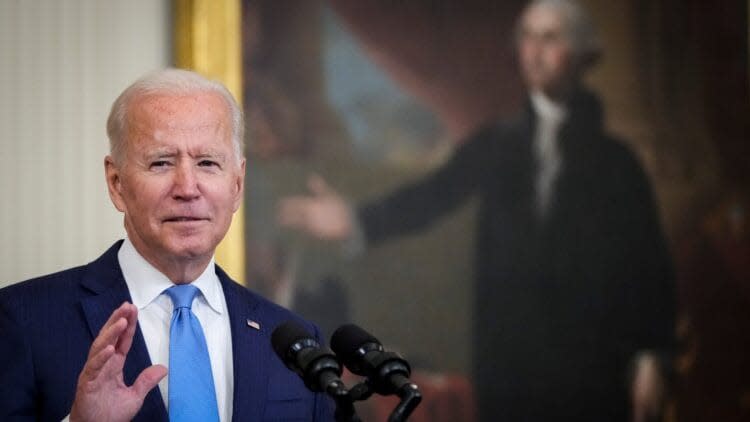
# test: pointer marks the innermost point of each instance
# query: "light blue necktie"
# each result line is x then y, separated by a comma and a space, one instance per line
191, 385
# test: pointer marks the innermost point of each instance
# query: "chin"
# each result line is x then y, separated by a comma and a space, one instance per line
187, 249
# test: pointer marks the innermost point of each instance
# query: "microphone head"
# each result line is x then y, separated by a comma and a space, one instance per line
288, 339
300, 352
351, 343
363, 354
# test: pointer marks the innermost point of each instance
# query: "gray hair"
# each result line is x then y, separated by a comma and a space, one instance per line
171, 82
579, 26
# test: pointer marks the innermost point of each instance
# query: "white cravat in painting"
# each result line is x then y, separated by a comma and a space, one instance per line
550, 117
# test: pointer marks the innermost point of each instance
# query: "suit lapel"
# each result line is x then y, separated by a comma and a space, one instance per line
249, 345
105, 280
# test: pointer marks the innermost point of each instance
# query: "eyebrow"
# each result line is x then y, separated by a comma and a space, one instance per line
171, 152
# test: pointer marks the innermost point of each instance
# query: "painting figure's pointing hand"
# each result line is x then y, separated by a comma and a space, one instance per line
323, 214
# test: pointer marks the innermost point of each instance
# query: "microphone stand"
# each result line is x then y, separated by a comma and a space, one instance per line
344, 403
410, 398
408, 393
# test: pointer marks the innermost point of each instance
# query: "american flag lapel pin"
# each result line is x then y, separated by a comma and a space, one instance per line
253, 324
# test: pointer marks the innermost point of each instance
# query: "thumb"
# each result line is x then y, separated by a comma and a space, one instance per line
148, 379
318, 186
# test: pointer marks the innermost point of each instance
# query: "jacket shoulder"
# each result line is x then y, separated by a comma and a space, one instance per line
59, 289
272, 314
23, 298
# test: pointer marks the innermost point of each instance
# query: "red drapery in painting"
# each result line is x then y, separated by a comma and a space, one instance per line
456, 57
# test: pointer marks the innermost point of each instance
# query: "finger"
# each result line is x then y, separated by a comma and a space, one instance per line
148, 379
126, 339
108, 336
112, 369
121, 312
118, 313
129, 313
292, 203
291, 211
95, 363
318, 185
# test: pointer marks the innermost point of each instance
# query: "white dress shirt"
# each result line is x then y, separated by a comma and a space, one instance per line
550, 116
147, 285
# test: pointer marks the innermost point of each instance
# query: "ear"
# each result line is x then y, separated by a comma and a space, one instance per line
114, 183
239, 184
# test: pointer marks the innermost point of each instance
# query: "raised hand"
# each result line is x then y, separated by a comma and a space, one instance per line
323, 214
101, 394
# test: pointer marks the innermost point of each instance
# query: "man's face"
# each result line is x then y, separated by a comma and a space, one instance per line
545, 51
178, 182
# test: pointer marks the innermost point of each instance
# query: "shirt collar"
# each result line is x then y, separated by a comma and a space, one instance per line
146, 283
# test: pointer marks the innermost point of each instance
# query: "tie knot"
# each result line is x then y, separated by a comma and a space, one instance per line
182, 295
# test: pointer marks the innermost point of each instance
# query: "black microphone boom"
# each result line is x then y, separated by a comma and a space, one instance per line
387, 372
301, 353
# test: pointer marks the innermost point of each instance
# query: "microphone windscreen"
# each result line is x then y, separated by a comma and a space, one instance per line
348, 338
285, 335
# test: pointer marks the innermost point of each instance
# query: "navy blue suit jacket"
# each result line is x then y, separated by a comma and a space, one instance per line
47, 325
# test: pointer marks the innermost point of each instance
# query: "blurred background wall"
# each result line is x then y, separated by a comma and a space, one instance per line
62, 63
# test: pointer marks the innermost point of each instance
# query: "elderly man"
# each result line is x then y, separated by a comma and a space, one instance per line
573, 276
92, 342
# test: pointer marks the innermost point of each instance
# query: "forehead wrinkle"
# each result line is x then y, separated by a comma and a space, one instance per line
156, 117
207, 152
162, 151
171, 111
158, 126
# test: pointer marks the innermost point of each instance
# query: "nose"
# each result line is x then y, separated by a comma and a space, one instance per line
185, 186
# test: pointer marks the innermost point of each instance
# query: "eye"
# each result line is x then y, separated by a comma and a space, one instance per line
159, 164
208, 163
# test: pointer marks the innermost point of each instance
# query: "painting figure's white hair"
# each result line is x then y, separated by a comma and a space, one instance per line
579, 26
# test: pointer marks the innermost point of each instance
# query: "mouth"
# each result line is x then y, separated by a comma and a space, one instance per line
184, 219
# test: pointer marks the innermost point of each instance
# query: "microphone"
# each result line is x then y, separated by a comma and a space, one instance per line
363, 354
316, 365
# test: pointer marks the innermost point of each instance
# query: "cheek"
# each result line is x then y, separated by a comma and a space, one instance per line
145, 197
526, 54
558, 59
222, 195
